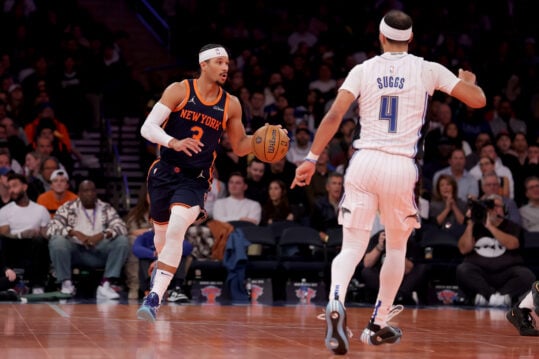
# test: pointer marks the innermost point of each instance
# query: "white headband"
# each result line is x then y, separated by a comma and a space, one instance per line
211, 53
395, 34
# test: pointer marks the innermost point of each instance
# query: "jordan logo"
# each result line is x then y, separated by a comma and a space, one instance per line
201, 175
192, 100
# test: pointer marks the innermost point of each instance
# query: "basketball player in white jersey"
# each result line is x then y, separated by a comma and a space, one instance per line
392, 91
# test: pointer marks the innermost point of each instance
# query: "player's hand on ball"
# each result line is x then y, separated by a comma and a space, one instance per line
189, 146
270, 143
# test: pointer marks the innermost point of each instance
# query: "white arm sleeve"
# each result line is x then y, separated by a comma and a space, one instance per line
151, 128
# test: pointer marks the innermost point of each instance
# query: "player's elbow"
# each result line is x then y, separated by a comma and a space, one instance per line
478, 102
145, 131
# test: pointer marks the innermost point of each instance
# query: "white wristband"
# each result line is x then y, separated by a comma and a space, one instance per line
311, 157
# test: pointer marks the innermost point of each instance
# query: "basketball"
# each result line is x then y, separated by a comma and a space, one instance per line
270, 143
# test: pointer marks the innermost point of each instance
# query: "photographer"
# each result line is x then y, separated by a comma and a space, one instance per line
492, 271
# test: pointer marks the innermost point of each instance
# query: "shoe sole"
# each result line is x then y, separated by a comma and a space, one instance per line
535, 297
145, 314
336, 338
370, 338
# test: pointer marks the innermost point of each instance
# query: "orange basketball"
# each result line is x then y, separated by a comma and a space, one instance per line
270, 143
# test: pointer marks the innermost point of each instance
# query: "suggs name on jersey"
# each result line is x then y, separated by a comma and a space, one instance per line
390, 81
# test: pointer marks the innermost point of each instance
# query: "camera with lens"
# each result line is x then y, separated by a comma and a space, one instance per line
479, 208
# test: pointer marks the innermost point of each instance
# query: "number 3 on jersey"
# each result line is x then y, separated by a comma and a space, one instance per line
389, 106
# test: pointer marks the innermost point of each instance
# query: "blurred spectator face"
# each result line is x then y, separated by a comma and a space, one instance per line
485, 164
505, 110
257, 100
480, 140
44, 146
4, 160
236, 186
288, 117
532, 190
457, 161
533, 154
9, 124
59, 185
303, 138
490, 185
504, 143
17, 189
3, 133
31, 162
520, 143
451, 130
445, 188
87, 194
278, 166
489, 151
47, 112
335, 187
255, 171
275, 192
49, 166
444, 114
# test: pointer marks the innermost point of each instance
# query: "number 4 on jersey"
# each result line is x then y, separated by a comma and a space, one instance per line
389, 106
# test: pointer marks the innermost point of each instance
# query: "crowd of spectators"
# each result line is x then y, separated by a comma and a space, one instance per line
61, 72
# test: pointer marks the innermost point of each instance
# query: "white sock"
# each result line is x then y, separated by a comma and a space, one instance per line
161, 282
354, 245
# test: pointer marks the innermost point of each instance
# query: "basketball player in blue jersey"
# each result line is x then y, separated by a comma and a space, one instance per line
392, 91
187, 123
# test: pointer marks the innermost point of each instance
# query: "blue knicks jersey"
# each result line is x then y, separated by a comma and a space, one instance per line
200, 120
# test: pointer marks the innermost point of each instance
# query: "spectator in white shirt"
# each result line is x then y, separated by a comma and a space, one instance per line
236, 207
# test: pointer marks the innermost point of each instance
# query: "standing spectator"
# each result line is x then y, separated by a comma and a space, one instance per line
493, 271
58, 194
89, 232
236, 207
530, 211
22, 226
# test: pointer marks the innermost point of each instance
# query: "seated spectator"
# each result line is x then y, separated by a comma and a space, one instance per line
489, 151
236, 207
217, 190
145, 252
324, 215
486, 164
466, 183
58, 194
48, 166
415, 274
8, 280
5, 197
317, 188
16, 138
490, 184
46, 119
7, 161
276, 208
22, 226
299, 148
138, 222
257, 187
530, 212
88, 232
492, 272
446, 209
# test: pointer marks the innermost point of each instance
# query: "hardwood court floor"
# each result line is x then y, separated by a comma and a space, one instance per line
109, 330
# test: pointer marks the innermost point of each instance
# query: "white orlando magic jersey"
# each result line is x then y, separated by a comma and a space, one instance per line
393, 91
